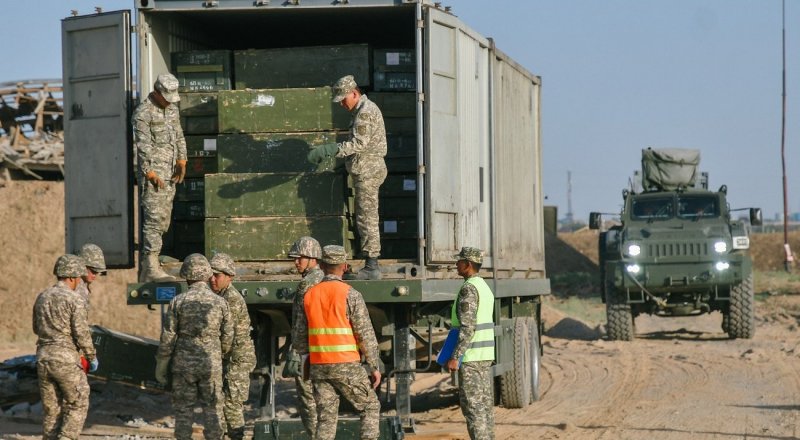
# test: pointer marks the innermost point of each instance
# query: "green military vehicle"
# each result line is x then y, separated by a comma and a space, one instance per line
464, 160
678, 250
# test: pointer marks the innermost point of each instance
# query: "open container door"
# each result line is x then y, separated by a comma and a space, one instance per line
457, 134
98, 163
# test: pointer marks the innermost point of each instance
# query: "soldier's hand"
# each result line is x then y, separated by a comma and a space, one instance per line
452, 365
162, 370
375, 378
292, 366
322, 152
94, 365
155, 180
180, 171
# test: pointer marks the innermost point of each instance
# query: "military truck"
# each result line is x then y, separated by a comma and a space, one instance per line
463, 127
678, 250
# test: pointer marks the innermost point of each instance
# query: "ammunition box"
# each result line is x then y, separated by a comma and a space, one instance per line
399, 248
125, 358
190, 190
398, 227
274, 152
275, 194
200, 166
198, 113
395, 70
401, 145
294, 67
280, 110
400, 125
269, 238
195, 210
395, 81
401, 164
399, 185
389, 207
395, 105
201, 146
189, 231
202, 70
200, 124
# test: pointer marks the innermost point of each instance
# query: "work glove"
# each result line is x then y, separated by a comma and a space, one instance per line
155, 180
94, 365
180, 171
292, 366
322, 152
162, 369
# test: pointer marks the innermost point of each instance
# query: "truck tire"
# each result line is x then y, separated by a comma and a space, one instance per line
741, 318
536, 358
620, 318
515, 385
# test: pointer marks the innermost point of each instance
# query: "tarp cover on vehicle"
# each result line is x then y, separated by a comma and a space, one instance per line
669, 168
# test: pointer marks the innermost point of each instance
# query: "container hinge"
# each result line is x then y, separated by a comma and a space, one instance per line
421, 96
420, 24
262, 3
293, 2
421, 170
341, 2
211, 3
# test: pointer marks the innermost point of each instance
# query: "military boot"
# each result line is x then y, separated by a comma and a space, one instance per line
150, 270
370, 271
236, 433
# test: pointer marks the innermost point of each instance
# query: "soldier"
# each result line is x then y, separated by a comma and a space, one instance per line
197, 333
305, 251
334, 328
364, 152
95, 265
472, 313
161, 156
59, 320
237, 368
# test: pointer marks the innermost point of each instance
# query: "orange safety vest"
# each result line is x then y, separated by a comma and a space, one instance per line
330, 335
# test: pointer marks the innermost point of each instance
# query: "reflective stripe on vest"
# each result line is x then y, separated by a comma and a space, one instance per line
481, 347
330, 335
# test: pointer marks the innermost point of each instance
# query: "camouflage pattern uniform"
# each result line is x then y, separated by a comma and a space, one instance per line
242, 360
60, 322
197, 333
350, 379
93, 256
475, 381
364, 152
159, 141
305, 388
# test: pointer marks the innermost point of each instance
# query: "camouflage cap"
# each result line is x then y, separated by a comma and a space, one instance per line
305, 247
333, 254
167, 85
69, 266
196, 268
93, 255
344, 86
223, 263
472, 254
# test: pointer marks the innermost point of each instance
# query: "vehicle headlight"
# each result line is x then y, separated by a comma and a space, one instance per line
633, 268
720, 247
741, 242
634, 250
722, 265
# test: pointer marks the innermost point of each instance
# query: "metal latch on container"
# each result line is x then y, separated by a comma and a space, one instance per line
211, 3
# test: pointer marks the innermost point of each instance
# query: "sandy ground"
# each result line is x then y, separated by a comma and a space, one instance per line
680, 379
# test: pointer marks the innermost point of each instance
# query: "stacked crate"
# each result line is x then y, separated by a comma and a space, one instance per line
201, 75
394, 77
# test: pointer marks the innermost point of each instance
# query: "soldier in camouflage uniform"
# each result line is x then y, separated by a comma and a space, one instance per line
364, 152
197, 334
161, 157
335, 356
95, 265
306, 251
472, 313
237, 368
59, 320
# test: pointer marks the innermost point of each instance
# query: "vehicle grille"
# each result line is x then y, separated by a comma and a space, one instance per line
677, 249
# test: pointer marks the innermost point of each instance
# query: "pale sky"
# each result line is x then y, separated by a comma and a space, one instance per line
618, 76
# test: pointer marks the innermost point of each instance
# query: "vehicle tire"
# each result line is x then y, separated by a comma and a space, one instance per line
726, 319
741, 319
515, 385
536, 358
619, 316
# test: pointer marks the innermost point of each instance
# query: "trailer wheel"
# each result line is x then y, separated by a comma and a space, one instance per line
741, 317
620, 317
536, 358
515, 384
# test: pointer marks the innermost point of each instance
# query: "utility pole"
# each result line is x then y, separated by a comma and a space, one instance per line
569, 198
789, 258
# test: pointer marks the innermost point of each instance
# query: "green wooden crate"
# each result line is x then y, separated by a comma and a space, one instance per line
399, 185
274, 152
401, 248
395, 105
189, 231
194, 210
395, 60
202, 70
294, 67
395, 81
280, 110
198, 104
275, 194
190, 190
200, 166
401, 145
200, 124
201, 146
401, 164
398, 227
400, 125
269, 238
391, 207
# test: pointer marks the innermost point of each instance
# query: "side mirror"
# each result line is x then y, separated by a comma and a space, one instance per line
594, 220
755, 217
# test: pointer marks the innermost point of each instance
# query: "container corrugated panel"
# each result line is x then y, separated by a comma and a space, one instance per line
294, 67
274, 152
202, 70
269, 238
280, 110
275, 194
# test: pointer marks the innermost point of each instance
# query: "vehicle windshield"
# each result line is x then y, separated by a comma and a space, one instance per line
698, 207
653, 208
